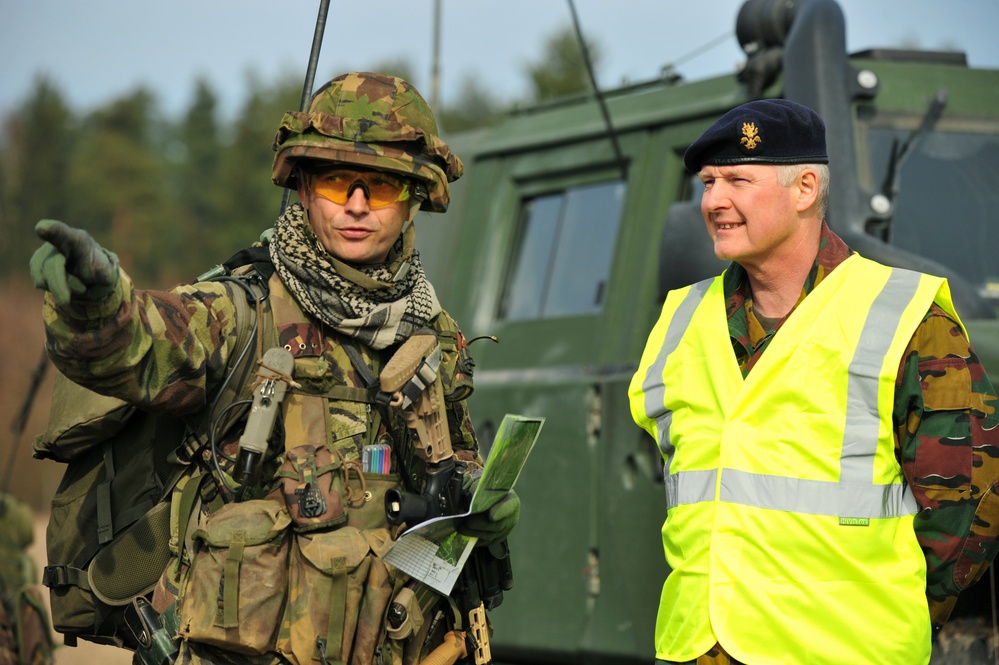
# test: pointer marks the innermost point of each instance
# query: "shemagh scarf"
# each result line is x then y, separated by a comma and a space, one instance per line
360, 301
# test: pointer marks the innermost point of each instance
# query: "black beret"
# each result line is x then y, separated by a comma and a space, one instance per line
766, 131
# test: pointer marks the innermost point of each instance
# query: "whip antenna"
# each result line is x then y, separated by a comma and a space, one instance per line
310, 74
612, 134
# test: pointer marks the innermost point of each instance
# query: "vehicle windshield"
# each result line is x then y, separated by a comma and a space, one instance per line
947, 205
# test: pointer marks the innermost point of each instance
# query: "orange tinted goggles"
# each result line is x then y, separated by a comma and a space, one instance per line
381, 189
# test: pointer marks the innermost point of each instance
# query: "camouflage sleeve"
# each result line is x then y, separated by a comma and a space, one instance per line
948, 443
162, 350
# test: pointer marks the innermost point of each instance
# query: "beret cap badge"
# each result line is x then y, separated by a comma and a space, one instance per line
750, 136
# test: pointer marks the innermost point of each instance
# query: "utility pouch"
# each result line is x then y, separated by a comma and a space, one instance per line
384, 582
340, 587
235, 589
328, 574
311, 483
456, 362
366, 509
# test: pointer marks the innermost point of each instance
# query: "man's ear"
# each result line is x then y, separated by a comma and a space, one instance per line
808, 189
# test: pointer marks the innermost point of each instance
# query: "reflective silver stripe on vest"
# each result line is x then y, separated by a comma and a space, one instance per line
814, 497
860, 436
854, 495
690, 487
652, 386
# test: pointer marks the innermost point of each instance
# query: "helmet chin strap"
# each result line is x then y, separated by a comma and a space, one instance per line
408, 243
400, 265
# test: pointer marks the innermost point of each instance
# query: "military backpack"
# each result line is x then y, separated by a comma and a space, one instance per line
109, 528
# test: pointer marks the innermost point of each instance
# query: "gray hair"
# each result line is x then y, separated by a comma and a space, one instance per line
788, 173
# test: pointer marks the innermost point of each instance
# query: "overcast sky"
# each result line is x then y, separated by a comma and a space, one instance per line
96, 50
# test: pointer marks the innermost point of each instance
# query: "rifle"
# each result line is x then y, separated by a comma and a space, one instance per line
410, 382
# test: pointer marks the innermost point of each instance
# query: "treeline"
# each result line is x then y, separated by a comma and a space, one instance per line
173, 197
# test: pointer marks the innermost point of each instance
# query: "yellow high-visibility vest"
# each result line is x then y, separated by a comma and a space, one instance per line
789, 525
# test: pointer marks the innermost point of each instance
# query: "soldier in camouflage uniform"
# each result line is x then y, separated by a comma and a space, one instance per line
25, 638
822, 368
259, 574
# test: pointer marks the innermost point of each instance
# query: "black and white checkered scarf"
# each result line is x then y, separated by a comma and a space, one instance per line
361, 301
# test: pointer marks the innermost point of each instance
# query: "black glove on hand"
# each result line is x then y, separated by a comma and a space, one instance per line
494, 524
71, 262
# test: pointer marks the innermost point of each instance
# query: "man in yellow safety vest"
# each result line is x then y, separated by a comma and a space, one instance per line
830, 438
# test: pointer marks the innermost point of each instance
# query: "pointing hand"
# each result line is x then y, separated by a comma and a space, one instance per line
71, 262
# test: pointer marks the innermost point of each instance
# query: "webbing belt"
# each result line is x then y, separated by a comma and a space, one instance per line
343, 393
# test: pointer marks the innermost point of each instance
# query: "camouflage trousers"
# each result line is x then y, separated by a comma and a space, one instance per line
715, 656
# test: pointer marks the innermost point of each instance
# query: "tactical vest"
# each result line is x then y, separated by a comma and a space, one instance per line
789, 528
300, 559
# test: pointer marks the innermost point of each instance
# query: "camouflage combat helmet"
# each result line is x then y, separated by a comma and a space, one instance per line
369, 120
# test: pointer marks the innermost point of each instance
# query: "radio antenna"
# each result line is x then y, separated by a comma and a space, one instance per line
310, 74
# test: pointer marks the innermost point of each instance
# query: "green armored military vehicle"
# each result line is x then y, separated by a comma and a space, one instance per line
566, 232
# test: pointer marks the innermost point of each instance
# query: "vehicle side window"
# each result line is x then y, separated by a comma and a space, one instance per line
562, 258
949, 175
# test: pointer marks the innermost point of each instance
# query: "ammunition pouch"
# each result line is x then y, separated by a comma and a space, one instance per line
312, 482
340, 591
235, 589
259, 582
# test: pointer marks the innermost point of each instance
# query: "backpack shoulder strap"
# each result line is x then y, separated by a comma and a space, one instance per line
254, 334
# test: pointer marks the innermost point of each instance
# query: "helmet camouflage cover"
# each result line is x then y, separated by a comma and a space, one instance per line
369, 120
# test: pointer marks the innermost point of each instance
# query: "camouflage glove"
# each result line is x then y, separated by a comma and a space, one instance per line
494, 524
71, 262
